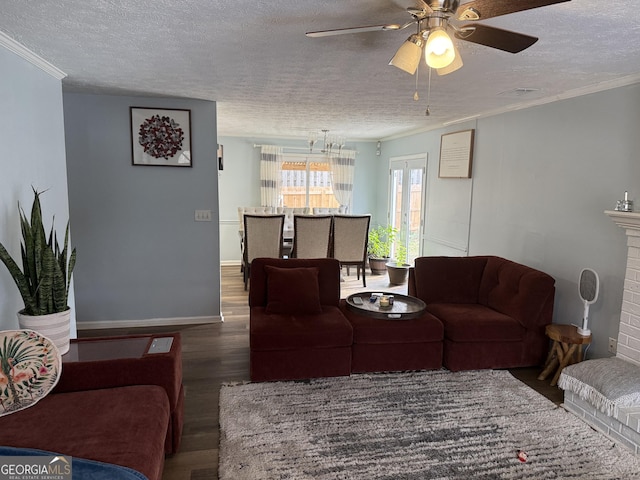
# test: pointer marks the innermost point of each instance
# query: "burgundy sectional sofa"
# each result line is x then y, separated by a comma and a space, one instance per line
494, 311
126, 412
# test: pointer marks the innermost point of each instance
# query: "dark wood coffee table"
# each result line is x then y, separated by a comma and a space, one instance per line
404, 307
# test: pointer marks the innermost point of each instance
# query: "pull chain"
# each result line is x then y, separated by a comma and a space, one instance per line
428, 112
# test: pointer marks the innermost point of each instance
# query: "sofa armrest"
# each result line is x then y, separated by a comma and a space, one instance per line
92, 372
411, 283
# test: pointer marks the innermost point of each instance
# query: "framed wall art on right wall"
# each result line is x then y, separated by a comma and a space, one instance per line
456, 154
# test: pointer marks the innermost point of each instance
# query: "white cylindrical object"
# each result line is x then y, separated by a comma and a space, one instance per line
55, 326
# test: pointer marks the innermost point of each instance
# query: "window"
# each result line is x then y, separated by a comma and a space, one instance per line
306, 182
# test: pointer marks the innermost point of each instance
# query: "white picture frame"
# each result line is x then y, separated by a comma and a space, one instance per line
456, 154
161, 137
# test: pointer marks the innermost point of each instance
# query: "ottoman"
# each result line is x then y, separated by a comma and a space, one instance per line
394, 345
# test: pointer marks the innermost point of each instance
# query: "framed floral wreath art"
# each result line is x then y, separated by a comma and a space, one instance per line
161, 137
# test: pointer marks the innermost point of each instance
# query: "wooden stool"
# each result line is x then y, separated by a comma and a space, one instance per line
566, 349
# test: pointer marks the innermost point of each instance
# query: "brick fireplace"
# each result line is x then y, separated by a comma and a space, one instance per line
624, 427
629, 333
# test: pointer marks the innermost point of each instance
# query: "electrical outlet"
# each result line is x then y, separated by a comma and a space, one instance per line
613, 345
203, 215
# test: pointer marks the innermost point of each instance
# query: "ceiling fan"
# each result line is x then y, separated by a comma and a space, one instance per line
436, 19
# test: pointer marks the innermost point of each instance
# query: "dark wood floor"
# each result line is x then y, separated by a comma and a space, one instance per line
214, 354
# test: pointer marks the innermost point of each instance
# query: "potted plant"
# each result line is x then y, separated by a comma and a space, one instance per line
399, 269
44, 279
379, 247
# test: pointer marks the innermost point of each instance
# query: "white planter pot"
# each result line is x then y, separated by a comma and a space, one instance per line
55, 326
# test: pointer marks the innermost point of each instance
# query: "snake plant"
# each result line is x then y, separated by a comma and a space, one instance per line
44, 280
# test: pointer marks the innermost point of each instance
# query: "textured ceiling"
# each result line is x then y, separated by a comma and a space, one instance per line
269, 79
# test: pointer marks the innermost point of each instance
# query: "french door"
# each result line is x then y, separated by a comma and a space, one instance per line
407, 205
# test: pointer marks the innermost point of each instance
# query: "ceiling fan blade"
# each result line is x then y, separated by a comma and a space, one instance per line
414, 6
506, 40
342, 31
483, 9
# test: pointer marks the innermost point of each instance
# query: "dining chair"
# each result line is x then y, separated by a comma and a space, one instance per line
289, 213
242, 211
350, 234
262, 238
312, 236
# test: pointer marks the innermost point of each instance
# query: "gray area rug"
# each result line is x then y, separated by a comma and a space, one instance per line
421, 425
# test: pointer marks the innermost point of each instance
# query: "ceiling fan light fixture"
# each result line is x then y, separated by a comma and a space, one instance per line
453, 66
407, 57
439, 51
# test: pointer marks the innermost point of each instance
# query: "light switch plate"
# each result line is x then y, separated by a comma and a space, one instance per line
203, 215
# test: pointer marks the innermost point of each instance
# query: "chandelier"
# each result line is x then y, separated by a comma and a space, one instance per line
332, 144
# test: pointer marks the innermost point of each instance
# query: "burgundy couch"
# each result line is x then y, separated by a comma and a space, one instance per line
126, 412
296, 329
494, 310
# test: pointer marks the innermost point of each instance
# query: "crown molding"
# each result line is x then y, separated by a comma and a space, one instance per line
22, 51
577, 92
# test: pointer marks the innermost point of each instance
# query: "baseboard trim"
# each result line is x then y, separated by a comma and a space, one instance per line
148, 322
230, 263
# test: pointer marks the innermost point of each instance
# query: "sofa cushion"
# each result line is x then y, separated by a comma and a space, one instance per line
94, 369
82, 468
326, 329
448, 279
328, 278
125, 426
293, 290
607, 383
476, 323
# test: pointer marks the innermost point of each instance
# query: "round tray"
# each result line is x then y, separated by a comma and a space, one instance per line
404, 307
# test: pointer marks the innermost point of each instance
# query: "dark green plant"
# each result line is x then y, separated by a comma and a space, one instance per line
380, 241
44, 279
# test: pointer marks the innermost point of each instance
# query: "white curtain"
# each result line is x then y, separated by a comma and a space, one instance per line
342, 172
270, 166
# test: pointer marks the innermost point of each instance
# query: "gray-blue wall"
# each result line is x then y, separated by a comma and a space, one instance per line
542, 179
141, 255
33, 154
